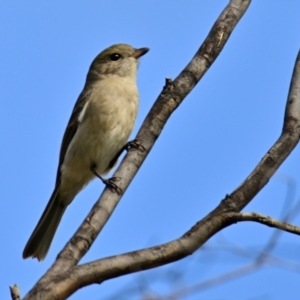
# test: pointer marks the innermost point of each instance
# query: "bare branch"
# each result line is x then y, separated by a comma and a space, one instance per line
276, 155
64, 277
169, 99
264, 257
292, 112
221, 217
266, 220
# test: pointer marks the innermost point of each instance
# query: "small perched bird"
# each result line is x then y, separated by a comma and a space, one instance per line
97, 132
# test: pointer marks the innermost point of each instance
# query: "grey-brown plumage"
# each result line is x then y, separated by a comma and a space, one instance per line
100, 124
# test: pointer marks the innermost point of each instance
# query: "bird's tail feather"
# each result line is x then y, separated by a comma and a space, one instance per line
41, 238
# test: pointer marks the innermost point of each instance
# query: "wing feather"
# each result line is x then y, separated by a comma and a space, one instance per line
71, 129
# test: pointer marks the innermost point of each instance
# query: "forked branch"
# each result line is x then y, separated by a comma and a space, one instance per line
65, 277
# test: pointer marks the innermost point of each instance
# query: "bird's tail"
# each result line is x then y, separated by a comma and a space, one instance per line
41, 238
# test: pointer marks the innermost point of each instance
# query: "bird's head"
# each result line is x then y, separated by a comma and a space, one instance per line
119, 59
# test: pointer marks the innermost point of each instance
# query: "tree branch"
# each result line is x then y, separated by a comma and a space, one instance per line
169, 99
264, 257
287, 141
64, 277
222, 216
266, 220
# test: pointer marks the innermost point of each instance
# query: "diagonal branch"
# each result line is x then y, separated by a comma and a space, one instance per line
64, 284
111, 267
169, 99
287, 141
264, 257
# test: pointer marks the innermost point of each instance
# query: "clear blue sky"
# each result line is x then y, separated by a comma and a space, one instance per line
208, 147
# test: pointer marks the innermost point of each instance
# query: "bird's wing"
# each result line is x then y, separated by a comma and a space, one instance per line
71, 129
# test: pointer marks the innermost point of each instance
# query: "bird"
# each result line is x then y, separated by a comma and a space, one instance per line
96, 134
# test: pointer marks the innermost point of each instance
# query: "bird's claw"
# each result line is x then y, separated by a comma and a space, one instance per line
111, 184
136, 143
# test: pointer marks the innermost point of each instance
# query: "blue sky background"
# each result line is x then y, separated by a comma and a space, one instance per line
208, 147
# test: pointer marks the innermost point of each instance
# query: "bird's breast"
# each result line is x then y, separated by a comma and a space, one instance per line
105, 125
112, 112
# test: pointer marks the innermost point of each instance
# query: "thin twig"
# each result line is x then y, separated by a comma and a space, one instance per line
266, 220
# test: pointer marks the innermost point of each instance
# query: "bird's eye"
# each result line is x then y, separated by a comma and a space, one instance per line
115, 56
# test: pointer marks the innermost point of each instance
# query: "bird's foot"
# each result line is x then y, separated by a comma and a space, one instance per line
110, 182
136, 143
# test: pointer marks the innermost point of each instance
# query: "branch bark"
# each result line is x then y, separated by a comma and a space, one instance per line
65, 277
266, 220
96, 272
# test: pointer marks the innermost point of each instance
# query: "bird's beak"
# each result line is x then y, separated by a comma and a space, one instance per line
140, 52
